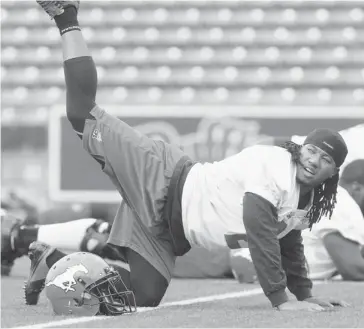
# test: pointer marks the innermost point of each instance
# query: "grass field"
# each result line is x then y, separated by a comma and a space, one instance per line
188, 303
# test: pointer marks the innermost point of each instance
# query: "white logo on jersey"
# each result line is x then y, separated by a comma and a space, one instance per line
66, 280
96, 135
294, 220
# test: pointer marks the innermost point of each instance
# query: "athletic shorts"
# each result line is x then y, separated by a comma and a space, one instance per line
141, 169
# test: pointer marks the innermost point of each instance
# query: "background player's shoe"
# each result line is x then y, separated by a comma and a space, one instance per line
242, 266
9, 233
95, 241
54, 8
38, 254
96, 237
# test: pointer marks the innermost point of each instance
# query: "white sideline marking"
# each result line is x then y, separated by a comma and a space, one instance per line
206, 299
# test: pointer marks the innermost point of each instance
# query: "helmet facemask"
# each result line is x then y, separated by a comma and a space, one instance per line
113, 296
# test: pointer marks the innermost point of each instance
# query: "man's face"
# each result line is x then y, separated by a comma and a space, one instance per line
315, 166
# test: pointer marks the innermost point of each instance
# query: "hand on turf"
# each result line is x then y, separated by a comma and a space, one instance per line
294, 305
327, 302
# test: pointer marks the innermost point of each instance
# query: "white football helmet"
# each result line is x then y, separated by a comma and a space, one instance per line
84, 284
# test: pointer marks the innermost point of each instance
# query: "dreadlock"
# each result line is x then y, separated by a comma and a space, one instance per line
324, 198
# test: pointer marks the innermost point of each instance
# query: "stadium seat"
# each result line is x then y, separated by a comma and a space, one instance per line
292, 52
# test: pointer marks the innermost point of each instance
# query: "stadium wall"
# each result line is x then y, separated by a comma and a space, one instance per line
206, 133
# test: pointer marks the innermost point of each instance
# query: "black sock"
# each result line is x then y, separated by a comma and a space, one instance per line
54, 257
67, 21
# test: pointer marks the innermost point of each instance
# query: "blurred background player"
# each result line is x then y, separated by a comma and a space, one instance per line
334, 247
87, 234
19, 207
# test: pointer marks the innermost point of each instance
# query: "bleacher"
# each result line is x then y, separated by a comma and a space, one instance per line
191, 52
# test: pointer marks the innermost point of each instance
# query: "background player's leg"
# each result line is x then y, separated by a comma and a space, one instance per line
87, 234
68, 235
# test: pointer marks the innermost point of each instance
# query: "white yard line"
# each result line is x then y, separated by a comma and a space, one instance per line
206, 299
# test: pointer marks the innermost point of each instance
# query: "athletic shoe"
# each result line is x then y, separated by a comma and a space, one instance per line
38, 254
54, 8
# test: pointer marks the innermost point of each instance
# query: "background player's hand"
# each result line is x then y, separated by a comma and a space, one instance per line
327, 302
294, 305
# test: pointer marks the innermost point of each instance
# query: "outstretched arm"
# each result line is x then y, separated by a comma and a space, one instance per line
260, 222
294, 264
346, 256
